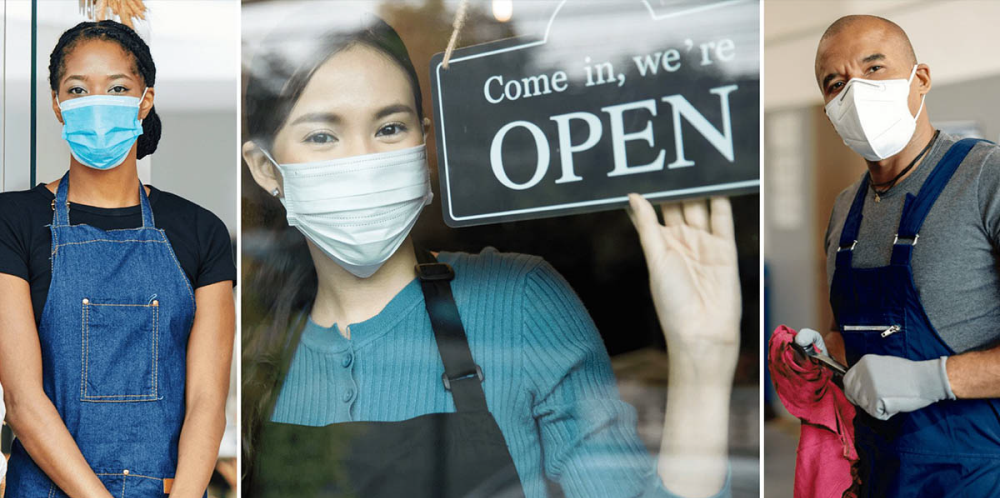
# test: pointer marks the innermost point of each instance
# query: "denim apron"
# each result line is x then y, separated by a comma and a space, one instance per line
438, 455
950, 448
113, 337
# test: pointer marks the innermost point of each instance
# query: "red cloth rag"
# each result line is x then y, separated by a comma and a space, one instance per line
826, 444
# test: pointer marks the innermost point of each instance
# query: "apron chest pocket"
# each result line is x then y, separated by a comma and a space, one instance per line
120, 347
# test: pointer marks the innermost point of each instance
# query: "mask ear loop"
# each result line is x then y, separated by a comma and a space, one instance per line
922, 98
269, 158
143, 97
275, 192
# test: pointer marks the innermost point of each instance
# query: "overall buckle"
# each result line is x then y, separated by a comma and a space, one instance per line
848, 248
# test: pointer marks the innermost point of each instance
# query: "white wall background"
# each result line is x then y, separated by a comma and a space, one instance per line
957, 38
195, 45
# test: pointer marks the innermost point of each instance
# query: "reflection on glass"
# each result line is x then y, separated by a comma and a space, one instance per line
340, 357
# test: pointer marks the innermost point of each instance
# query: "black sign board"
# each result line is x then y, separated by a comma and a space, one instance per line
616, 97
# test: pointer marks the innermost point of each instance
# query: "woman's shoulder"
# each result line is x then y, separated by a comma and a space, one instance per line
181, 209
36, 194
162, 198
492, 263
22, 204
502, 271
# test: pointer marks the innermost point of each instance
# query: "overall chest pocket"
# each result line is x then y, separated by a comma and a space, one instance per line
119, 348
884, 334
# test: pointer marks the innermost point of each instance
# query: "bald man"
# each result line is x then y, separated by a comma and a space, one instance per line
913, 259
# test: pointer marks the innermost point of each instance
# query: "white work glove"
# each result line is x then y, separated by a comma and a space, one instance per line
807, 337
886, 385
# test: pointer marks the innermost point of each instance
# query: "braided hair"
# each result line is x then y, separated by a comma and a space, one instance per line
142, 65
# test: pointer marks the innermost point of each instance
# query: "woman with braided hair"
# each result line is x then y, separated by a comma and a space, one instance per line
116, 307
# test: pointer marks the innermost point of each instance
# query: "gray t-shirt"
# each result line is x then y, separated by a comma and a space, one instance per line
956, 262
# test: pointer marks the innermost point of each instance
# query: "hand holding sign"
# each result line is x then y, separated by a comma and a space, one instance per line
695, 284
694, 281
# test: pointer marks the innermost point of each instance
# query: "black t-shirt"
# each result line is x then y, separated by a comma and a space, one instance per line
199, 238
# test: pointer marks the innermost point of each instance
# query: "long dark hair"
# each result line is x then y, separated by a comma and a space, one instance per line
282, 283
142, 65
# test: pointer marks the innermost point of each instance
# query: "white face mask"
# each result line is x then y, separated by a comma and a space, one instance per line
873, 116
358, 210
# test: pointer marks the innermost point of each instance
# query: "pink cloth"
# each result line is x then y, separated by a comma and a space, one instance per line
826, 444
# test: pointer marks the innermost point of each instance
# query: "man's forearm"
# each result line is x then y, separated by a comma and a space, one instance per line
975, 374
835, 343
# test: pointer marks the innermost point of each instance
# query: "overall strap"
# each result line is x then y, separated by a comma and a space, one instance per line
462, 376
852, 226
916, 208
60, 205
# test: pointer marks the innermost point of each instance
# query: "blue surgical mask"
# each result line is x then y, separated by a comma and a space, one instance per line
101, 129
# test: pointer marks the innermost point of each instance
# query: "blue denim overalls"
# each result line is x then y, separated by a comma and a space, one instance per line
950, 448
113, 338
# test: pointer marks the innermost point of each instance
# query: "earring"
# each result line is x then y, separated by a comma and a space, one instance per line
275, 192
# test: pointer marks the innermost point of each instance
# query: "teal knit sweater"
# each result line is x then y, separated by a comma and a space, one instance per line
548, 378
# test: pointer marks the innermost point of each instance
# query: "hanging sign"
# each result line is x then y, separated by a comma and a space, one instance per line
616, 97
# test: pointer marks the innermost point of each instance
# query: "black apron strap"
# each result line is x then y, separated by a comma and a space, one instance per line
462, 376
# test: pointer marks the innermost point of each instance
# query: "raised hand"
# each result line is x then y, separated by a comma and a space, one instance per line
696, 290
693, 276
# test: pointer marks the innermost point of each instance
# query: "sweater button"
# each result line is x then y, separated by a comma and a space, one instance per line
348, 395
346, 362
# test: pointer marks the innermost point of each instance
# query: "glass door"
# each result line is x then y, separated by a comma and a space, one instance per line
15, 94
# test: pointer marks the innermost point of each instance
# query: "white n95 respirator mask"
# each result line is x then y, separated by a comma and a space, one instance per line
873, 116
358, 210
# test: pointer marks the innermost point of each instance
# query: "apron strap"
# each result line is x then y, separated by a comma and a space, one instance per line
852, 226
462, 376
60, 205
916, 208
147, 211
